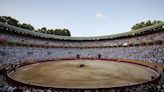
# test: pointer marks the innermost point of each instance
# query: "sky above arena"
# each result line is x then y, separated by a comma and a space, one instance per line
84, 17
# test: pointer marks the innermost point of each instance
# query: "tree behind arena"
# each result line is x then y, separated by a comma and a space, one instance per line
26, 26
145, 24
61, 32
14, 22
9, 20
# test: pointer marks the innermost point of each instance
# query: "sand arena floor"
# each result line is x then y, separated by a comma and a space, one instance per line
95, 74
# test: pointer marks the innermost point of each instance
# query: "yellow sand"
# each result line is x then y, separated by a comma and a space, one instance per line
95, 74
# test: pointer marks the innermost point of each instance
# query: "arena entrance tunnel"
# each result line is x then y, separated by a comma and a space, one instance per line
100, 69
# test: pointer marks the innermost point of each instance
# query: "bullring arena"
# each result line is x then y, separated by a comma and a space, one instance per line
95, 74
126, 62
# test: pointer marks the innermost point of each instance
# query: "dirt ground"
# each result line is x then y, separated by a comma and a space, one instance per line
94, 74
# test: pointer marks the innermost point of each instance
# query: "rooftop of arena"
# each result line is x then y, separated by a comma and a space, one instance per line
140, 31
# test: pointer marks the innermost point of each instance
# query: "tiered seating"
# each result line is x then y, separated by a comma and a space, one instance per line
10, 54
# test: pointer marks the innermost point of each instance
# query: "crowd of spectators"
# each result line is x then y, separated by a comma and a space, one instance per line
16, 54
